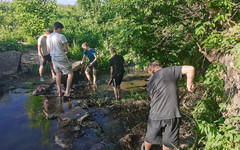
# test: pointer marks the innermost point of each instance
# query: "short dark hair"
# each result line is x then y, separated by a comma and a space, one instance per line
49, 30
57, 25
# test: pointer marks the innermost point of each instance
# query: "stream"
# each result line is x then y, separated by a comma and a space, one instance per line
35, 122
25, 126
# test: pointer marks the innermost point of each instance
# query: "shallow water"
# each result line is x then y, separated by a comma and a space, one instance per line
24, 126
17, 127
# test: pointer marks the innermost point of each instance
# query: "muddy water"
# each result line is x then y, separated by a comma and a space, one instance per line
24, 125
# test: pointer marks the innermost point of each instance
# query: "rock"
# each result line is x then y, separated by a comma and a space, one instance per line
125, 142
97, 147
113, 130
77, 66
79, 134
44, 87
76, 113
64, 136
29, 59
9, 62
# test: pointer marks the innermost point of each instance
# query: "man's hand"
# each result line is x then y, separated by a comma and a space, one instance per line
42, 58
189, 71
190, 87
90, 64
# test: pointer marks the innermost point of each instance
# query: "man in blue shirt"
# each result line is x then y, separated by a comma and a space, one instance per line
92, 64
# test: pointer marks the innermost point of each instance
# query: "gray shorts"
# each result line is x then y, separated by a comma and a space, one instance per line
62, 66
46, 57
170, 127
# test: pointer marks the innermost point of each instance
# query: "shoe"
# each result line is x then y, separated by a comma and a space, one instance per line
41, 79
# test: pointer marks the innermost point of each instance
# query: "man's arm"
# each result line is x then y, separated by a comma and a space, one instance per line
48, 42
40, 52
189, 71
65, 47
95, 59
83, 59
111, 72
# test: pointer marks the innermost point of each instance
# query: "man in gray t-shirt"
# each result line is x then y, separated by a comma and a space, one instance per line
57, 46
44, 55
164, 113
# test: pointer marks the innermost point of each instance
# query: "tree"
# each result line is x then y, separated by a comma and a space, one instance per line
32, 16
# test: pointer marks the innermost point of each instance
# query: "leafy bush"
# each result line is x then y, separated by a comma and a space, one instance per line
215, 131
10, 45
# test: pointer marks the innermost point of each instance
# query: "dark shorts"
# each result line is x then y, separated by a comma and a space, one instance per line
117, 80
169, 128
94, 65
47, 58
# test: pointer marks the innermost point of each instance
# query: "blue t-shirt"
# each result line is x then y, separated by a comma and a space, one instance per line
90, 54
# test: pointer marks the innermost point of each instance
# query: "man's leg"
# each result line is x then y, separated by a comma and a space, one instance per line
52, 71
69, 83
41, 71
115, 92
118, 92
94, 76
58, 81
88, 75
147, 145
41, 67
166, 148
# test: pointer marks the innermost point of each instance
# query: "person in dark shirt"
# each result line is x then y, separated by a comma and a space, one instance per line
117, 71
164, 112
92, 64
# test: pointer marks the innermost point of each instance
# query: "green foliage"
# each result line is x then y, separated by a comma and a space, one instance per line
136, 95
10, 44
33, 16
215, 131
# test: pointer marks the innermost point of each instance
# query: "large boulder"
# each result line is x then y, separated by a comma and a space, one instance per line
9, 62
29, 59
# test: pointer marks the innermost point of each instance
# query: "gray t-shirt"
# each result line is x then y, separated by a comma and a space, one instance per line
163, 90
55, 42
42, 42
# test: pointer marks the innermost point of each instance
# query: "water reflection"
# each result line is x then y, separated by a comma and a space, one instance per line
34, 107
26, 123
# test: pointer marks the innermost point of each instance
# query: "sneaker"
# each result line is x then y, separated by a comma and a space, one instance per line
41, 79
